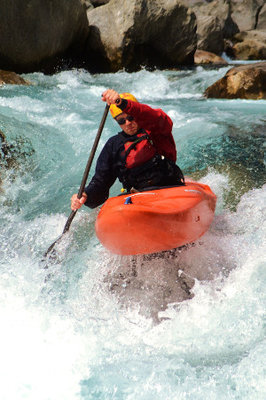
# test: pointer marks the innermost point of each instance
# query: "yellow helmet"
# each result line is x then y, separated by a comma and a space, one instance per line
114, 110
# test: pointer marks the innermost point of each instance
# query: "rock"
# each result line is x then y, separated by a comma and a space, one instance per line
16, 154
209, 33
214, 23
206, 57
262, 19
155, 284
6, 159
2, 144
90, 4
228, 48
245, 13
244, 82
251, 45
87, 4
35, 33
49, 35
220, 9
150, 282
98, 3
134, 34
8, 77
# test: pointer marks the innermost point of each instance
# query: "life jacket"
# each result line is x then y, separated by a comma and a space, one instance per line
141, 165
137, 150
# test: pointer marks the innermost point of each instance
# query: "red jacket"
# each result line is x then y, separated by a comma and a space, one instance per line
108, 168
157, 124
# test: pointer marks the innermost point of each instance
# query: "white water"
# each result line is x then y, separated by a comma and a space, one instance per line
64, 334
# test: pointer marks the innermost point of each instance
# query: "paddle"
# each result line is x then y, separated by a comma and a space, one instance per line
49, 252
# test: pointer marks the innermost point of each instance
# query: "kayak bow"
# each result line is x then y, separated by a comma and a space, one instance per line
155, 220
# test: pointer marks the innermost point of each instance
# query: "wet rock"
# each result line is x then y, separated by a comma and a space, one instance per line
3, 145
206, 57
14, 153
250, 45
35, 33
149, 283
152, 283
9, 77
6, 157
136, 33
244, 82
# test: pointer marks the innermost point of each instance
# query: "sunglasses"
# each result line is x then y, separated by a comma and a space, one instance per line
122, 121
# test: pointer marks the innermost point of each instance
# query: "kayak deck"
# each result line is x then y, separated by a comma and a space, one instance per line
155, 220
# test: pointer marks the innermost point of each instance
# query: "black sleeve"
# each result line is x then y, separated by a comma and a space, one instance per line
104, 177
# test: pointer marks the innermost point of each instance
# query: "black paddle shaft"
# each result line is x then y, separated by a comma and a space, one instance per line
84, 178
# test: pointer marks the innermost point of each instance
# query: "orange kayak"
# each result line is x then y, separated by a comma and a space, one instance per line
155, 220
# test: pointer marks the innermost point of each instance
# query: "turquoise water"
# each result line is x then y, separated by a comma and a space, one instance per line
64, 334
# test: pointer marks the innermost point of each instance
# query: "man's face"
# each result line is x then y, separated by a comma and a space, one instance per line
129, 125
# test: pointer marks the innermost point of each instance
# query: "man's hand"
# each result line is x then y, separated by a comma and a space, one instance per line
110, 96
77, 203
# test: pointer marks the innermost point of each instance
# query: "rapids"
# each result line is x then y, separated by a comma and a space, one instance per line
184, 324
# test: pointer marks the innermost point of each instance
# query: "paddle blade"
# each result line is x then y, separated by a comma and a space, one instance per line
50, 256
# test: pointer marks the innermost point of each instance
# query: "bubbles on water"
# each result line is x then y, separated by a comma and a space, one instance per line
42, 352
85, 327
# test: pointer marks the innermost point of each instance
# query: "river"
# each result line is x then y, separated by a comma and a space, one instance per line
65, 333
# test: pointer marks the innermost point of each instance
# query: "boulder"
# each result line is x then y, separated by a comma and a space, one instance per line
8, 77
262, 19
6, 159
250, 45
221, 9
245, 13
3, 150
206, 57
244, 82
132, 34
214, 23
35, 33
2, 153
209, 34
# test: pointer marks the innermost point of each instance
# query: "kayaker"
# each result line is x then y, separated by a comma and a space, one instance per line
142, 155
